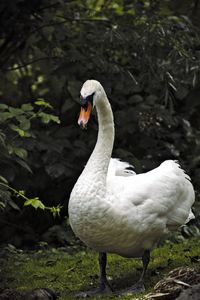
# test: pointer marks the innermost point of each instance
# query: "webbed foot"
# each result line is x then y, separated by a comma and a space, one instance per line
136, 288
106, 290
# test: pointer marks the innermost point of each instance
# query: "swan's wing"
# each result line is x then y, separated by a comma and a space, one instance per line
164, 194
119, 168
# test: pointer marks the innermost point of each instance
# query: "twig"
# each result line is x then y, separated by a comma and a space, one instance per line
181, 283
31, 62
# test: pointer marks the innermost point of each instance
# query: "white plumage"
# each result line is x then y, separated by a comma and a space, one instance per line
113, 209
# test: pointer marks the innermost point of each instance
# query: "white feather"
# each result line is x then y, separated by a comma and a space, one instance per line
119, 168
113, 212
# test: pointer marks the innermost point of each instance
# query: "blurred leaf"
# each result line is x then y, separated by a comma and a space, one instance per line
22, 153
46, 118
15, 111
2, 205
5, 116
23, 164
18, 130
27, 107
3, 106
2, 179
42, 102
13, 205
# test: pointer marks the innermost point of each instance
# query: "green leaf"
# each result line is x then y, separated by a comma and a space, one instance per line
41, 102
2, 139
3, 106
6, 115
3, 179
2, 205
27, 107
20, 152
46, 118
55, 210
14, 205
18, 130
15, 111
55, 119
25, 123
23, 164
35, 202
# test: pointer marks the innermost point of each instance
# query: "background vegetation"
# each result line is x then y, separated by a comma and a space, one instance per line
147, 56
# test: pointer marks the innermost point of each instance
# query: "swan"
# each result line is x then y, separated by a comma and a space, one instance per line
114, 210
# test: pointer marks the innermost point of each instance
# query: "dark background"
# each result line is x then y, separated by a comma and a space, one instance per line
146, 54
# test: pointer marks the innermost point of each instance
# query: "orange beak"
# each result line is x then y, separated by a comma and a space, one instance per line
85, 115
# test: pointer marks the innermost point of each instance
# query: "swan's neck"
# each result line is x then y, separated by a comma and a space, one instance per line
97, 165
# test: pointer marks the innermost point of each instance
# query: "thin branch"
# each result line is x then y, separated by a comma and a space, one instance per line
66, 20
10, 51
48, 25
53, 5
30, 63
48, 6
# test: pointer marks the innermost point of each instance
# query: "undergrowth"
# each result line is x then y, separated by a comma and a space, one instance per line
68, 271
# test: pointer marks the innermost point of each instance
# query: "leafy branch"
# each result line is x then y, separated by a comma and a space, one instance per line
15, 127
34, 202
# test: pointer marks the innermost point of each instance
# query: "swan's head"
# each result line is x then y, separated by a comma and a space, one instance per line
91, 94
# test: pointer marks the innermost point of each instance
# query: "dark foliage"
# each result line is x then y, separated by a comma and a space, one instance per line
145, 53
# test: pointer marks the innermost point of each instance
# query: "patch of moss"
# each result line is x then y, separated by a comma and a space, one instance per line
69, 273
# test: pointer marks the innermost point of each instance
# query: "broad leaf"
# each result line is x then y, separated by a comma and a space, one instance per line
35, 202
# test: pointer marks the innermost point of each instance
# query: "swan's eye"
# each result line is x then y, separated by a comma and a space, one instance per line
84, 100
90, 98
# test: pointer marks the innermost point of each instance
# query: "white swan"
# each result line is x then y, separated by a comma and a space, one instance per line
111, 209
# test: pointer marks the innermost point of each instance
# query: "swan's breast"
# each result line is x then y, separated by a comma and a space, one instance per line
106, 227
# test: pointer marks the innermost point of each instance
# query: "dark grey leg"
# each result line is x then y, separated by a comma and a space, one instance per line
145, 261
104, 284
139, 286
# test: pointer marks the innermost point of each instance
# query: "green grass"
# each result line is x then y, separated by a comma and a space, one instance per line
69, 273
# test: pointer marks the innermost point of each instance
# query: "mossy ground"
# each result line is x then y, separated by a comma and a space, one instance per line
69, 273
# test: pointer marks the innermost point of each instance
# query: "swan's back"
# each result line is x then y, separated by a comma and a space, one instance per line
164, 193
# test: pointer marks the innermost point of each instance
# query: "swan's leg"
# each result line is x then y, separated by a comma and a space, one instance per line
145, 261
104, 286
139, 286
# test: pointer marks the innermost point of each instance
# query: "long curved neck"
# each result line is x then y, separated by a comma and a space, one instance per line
98, 162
